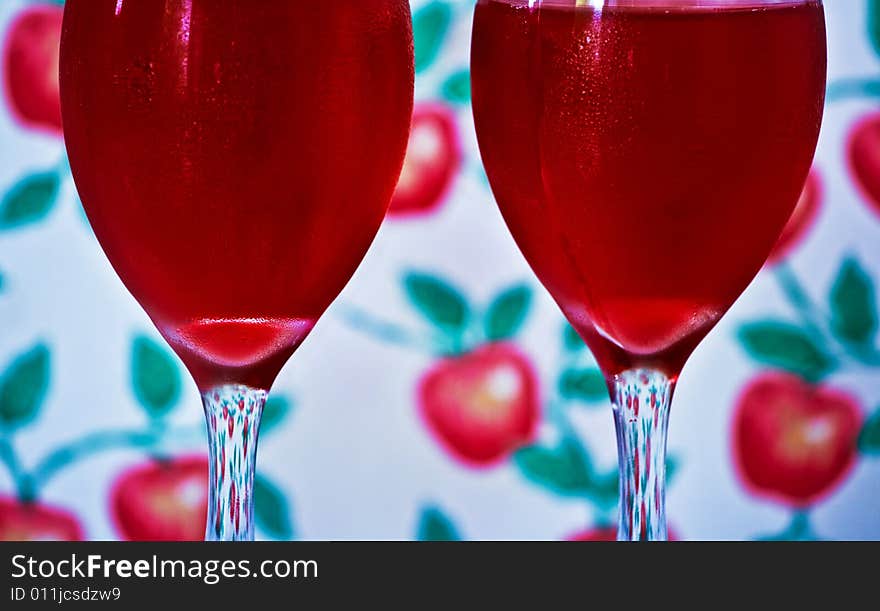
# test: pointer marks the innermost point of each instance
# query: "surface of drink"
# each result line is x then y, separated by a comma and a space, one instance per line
647, 155
235, 159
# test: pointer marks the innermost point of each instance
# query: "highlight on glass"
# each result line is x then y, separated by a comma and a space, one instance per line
646, 155
178, 118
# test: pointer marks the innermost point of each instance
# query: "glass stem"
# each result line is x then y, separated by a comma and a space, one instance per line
232, 414
641, 399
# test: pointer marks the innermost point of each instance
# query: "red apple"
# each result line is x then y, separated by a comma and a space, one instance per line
794, 442
162, 500
606, 533
36, 522
433, 157
482, 405
30, 66
863, 155
801, 221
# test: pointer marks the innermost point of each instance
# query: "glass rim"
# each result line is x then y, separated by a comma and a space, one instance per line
671, 5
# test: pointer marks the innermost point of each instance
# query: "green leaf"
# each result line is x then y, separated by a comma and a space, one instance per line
274, 412
29, 200
23, 387
434, 525
563, 469
869, 438
853, 306
457, 88
583, 385
571, 339
507, 313
786, 346
430, 25
437, 301
155, 377
873, 21
270, 509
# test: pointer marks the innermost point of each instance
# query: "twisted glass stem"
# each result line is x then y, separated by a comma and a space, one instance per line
641, 400
232, 414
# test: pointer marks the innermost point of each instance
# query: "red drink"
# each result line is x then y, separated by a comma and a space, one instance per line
236, 159
646, 159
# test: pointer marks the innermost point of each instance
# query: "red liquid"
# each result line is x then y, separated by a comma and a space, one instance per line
236, 158
647, 159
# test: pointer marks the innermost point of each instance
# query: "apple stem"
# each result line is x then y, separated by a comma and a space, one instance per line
798, 297
642, 399
798, 529
87, 446
9, 457
852, 88
816, 321
30, 483
392, 333
232, 414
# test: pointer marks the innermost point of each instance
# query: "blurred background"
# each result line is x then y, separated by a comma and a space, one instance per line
101, 433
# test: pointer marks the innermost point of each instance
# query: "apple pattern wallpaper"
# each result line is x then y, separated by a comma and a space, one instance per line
443, 396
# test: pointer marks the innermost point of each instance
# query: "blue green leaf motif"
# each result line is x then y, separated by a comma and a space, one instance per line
271, 509
23, 387
155, 377
437, 301
507, 313
30, 200
435, 525
430, 25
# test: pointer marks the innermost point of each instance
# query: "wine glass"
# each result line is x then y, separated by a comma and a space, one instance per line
235, 159
646, 155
